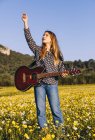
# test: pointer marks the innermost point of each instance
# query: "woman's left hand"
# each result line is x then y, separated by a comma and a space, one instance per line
64, 74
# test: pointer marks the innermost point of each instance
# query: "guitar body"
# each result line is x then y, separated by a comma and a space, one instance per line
25, 77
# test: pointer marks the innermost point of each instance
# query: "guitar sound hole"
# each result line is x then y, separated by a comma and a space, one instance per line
34, 76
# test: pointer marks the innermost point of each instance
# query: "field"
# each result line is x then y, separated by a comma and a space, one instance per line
18, 115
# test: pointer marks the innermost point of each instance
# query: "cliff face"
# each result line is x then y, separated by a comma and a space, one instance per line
4, 50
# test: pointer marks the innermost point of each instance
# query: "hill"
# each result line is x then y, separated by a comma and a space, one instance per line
9, 64
11, 61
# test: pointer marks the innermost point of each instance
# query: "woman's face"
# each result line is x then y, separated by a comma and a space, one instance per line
46, 38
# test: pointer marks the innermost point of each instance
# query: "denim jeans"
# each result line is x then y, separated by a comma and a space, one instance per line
40, 98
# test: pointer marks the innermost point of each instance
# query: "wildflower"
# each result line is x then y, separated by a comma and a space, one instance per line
30, 126
75, 123
57, 121
53, 136
26, 136
0, 128
93, 135
3, 122
48, 121
16, 126
43, 138
24, 126
24, 122
88, 127
75, 128
68, 119
9, 131
45, 124
31, 130
68, 135
48, 137
13, 122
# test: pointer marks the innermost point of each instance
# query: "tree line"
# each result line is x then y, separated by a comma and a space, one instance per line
87, 75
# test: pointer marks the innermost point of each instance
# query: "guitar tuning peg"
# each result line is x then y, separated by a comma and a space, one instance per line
78, 71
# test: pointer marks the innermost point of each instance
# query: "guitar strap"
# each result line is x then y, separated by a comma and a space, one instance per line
32, 64
36, 59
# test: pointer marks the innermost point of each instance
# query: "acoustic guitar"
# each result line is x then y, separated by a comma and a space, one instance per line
25, 77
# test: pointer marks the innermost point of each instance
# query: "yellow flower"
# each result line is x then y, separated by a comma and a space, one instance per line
0, 128
48, 121
75, 123
13, 122
43, 138
31, 130
30, 126
93, 135
9, 131
53, 136
24, 126
57, 121
16, 126
48, 137
26, 136
68, 119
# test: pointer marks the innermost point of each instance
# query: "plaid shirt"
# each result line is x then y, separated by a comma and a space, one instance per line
47, 62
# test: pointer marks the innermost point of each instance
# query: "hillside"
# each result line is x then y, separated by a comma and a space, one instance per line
10, 63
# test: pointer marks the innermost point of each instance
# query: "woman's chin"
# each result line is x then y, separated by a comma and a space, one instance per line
44, 42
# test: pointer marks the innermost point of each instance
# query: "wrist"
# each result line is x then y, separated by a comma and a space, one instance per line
26, 25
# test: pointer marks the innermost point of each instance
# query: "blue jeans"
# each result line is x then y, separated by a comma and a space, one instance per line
40, 98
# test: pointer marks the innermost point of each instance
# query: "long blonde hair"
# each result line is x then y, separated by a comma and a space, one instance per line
54, 48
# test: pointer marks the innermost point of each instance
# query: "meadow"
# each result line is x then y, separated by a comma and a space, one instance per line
18, 114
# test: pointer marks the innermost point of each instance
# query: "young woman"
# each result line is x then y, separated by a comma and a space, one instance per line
49, 56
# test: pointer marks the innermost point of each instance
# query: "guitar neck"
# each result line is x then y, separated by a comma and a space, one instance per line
52, 74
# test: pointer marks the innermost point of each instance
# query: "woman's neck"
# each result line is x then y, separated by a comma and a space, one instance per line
47, 47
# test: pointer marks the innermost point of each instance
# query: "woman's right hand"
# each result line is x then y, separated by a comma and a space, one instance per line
25, 20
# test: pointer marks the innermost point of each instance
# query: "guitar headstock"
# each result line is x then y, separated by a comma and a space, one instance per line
74, 71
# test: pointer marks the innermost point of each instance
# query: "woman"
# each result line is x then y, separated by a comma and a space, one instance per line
49, 56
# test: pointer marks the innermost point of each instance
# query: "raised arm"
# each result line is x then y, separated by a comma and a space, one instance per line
31, 43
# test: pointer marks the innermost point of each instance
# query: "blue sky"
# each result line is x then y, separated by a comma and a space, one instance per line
73, 22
